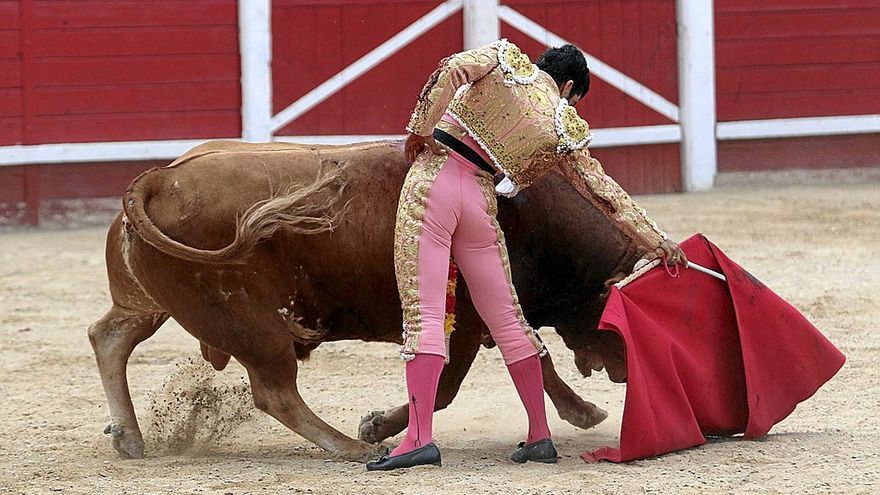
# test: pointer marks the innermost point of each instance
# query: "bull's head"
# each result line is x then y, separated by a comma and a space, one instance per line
565, 254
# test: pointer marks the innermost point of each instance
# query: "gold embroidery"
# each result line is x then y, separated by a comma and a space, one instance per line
449, 317
573, 131
408, 228
514, 125
488, 188
527, 129
472, 64
587, 176
543, 161
517, 67
518, 60
451, 129
575, 126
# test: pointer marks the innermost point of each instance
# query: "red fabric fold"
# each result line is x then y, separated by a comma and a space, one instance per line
708, 357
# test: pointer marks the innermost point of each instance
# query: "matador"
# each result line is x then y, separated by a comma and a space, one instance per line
483, 113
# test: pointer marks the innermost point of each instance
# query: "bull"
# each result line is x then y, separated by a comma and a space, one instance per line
264, 251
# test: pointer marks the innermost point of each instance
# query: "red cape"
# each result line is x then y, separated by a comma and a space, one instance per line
707, 357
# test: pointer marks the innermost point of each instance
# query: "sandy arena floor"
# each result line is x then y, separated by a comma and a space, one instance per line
811, 237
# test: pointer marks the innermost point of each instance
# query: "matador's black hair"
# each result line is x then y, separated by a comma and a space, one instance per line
566, 63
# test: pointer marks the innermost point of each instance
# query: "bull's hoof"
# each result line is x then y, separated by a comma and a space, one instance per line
363, 452
368, 431
586, 416
129, 445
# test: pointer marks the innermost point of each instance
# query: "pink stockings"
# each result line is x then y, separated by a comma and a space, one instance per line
529, 383
422, 377
447, 206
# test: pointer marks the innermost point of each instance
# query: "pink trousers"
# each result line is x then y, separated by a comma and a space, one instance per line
447, 206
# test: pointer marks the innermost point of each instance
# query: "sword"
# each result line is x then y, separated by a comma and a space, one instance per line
707, 271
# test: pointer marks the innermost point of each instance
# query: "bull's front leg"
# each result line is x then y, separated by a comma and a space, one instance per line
569, 405
463, 347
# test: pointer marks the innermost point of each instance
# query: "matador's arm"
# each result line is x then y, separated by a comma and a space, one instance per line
453, 72
585, 173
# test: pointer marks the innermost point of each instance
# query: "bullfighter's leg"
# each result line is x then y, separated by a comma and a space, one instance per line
463, 347
273, 382
479, 248
113, 338
379, 425
427, 217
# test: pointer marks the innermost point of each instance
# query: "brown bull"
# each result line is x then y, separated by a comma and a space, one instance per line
315, 264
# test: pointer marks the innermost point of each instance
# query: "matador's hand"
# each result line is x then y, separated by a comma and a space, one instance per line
674, 254
415, 144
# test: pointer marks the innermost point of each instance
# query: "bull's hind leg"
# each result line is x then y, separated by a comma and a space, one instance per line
113, 338
273, 382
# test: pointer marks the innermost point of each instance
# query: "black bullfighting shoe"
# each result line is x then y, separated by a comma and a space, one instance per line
540, 451
429, 454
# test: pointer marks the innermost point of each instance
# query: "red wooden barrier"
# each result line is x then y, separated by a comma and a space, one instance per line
313, 41
118, 71
10, 73
105, 70
637, 38
797, 58
29, 185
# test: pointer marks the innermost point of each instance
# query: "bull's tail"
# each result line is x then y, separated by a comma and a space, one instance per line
303, 209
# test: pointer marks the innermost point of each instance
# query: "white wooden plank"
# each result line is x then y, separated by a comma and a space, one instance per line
798, 127
696, 93
255, 49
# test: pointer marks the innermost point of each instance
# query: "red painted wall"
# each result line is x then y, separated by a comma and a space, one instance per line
107, 70
314, 40
104, 70
22, 188
797, 58
10, 73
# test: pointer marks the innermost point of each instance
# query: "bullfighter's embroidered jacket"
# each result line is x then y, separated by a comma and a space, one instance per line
514, 111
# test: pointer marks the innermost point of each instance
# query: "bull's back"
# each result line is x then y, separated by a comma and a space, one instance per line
197, 198
344, 278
